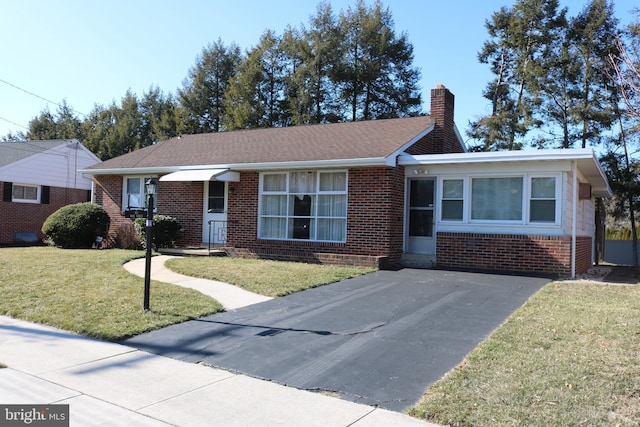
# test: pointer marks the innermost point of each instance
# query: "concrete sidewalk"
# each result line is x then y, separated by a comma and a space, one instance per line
108, 384
231, 297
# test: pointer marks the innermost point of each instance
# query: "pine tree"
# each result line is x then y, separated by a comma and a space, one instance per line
256, 94
375, 76
203, 92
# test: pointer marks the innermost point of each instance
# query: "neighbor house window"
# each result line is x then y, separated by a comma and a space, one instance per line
24, 193
496, 198
542, 203
307, 205
452, 199
134, 193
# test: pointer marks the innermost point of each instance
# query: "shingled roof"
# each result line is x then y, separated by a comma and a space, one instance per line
373, 139
12, 151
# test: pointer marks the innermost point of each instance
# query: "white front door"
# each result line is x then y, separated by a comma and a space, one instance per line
214, 229
420, 216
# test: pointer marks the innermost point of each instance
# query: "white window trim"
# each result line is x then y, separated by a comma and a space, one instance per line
465, 199
526, 199
314, 214
38, 193
143, 194
557, 199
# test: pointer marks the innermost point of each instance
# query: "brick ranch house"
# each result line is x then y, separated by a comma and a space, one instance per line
379, 193
38, 178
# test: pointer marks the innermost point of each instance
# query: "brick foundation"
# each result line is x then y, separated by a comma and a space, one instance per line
512, 252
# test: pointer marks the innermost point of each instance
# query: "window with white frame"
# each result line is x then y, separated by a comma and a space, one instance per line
496, 198
520, 199
452, 199
135, 195
23, 193
542, 200
305, 205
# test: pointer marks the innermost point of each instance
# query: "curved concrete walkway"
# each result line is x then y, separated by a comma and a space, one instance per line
231, 297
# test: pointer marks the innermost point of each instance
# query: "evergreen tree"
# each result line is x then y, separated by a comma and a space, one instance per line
95, 128
593, 34
64, 125
375, 76
203, 92
158, 113
518, 36
256, 94
320, 54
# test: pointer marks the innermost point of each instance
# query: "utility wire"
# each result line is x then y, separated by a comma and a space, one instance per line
30, 93
37, 96
14, 123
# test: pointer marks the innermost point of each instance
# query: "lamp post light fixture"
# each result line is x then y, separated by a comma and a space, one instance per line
150, 187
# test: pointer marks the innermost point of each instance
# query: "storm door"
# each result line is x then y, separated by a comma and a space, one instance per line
421, 207
214, 229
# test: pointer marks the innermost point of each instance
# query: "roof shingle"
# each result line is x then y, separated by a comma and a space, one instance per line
338, 141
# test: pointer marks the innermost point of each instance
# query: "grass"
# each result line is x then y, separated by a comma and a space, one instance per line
88, 292
269, 278
569, 356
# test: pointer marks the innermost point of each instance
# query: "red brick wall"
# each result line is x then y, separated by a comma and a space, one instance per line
512, 252
374, 222
584, 254
29, 217
184, 202
180, 200
108, 194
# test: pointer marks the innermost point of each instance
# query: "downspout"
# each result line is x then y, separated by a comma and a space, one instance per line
574, 218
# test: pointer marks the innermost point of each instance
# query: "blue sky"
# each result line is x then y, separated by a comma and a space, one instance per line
90, 52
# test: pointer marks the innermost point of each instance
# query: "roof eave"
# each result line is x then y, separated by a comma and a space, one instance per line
586, 158
311, 164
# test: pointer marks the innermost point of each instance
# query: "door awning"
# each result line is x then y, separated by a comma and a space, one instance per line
202, 175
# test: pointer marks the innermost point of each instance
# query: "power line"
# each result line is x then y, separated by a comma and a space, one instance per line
30, 93
14, 123
37, 96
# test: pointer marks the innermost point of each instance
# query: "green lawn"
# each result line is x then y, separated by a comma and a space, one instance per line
270, 278
569, 357
89, 292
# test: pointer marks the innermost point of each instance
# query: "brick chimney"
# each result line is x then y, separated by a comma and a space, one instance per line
444, 135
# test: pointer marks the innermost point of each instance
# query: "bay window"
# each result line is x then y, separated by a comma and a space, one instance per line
307, 205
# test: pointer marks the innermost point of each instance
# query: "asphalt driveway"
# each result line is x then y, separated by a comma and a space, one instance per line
380, 339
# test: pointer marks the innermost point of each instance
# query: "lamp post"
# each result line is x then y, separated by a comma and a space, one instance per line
150, 187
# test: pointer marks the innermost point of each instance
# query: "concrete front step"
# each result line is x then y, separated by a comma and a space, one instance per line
203, 250
417, 260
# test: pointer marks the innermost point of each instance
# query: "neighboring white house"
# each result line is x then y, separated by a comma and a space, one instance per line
38, 178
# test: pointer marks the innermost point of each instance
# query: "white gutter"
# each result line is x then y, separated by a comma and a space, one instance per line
311, 164
498, 156
574, 217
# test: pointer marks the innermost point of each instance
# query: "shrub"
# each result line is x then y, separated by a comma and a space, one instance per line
76, 226
126, 237
165, 231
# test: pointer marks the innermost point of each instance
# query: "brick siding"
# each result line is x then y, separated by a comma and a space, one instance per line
29, 217
374, 223
515, 253
180, 200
